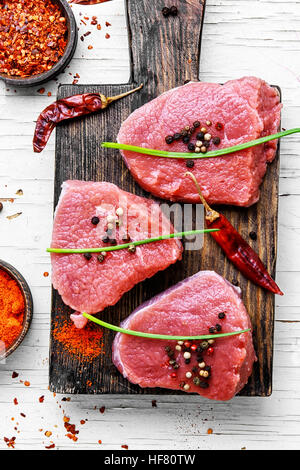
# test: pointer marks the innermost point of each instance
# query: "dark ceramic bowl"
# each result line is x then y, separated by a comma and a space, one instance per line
63, 61
28, 306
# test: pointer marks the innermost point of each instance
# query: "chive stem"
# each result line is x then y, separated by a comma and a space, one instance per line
133, 243
193, 155
157, 336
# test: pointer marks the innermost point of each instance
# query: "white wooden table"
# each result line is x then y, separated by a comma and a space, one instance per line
240, 37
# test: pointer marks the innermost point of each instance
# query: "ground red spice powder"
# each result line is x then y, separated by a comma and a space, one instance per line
33, 36
12, 307
86, 343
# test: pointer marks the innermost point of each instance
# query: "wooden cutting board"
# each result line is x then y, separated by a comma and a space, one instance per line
164, 53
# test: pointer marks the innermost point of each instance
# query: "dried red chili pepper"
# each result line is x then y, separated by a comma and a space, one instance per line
236, 248
69, 108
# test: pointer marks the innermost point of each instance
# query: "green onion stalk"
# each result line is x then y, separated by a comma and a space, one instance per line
193, 155
158, 336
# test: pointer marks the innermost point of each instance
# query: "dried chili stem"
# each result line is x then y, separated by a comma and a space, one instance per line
127, 245
157, 336
110, 99
193, 155
211, 214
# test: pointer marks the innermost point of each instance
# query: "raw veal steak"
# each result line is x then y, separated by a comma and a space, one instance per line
248, 108
189, 308
90, 285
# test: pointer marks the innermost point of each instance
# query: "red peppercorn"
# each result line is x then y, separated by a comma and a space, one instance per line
174, 375
210, 351
187, 344
194, 347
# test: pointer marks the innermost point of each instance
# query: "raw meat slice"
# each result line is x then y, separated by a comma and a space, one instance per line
189, 308
248, 108
88, 285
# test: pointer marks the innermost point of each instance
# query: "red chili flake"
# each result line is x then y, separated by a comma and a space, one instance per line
41, 91
26, 383
210, 351
23, 415
102, 409
15, 375
82, 421
33, 36
187, 344
99, 442
46, 274
10, 442
154, 404
41, 399
124, 446
107, 23
87, 33
75, 81
90, 47
49, 93
51, 446
194, 347
107, 36
99, 27
209, 431
15, 401
94, 22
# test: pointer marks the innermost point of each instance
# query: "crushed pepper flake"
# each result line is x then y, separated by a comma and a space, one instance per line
102, 409
27, 383
125, 446
209, 431
41, 399
10, 442
15, 401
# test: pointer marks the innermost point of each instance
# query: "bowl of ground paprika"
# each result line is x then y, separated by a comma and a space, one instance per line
16, 309
37, 40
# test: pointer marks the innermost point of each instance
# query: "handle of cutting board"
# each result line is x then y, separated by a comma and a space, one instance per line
164, 51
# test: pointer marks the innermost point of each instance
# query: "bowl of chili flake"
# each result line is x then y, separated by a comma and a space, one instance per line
16, 309
37, 40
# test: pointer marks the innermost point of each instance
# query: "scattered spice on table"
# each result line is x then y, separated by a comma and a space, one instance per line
237, 250
41, 91
51, 446
27, 383
33, 36
69, 108
14, 375
16, 401
14, 216
85, 343
10, 442
125, 446
102, 409
41, 399
209, 431
107, 36
12, 307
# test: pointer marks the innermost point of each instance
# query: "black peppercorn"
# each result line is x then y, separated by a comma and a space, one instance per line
169, 139
221, 315
196, 124
218, 327
113, 241
203, 384
200, 136
166, 11
191, 147
187, 361
177, 136
216, 140
190, 163
95, 220
87, 256
105, 239
173, 11
253, 235
185, 139
212, 330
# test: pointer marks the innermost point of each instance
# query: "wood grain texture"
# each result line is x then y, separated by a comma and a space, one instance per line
165, 53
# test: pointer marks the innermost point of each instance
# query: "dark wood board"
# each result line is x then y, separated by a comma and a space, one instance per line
164, 53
